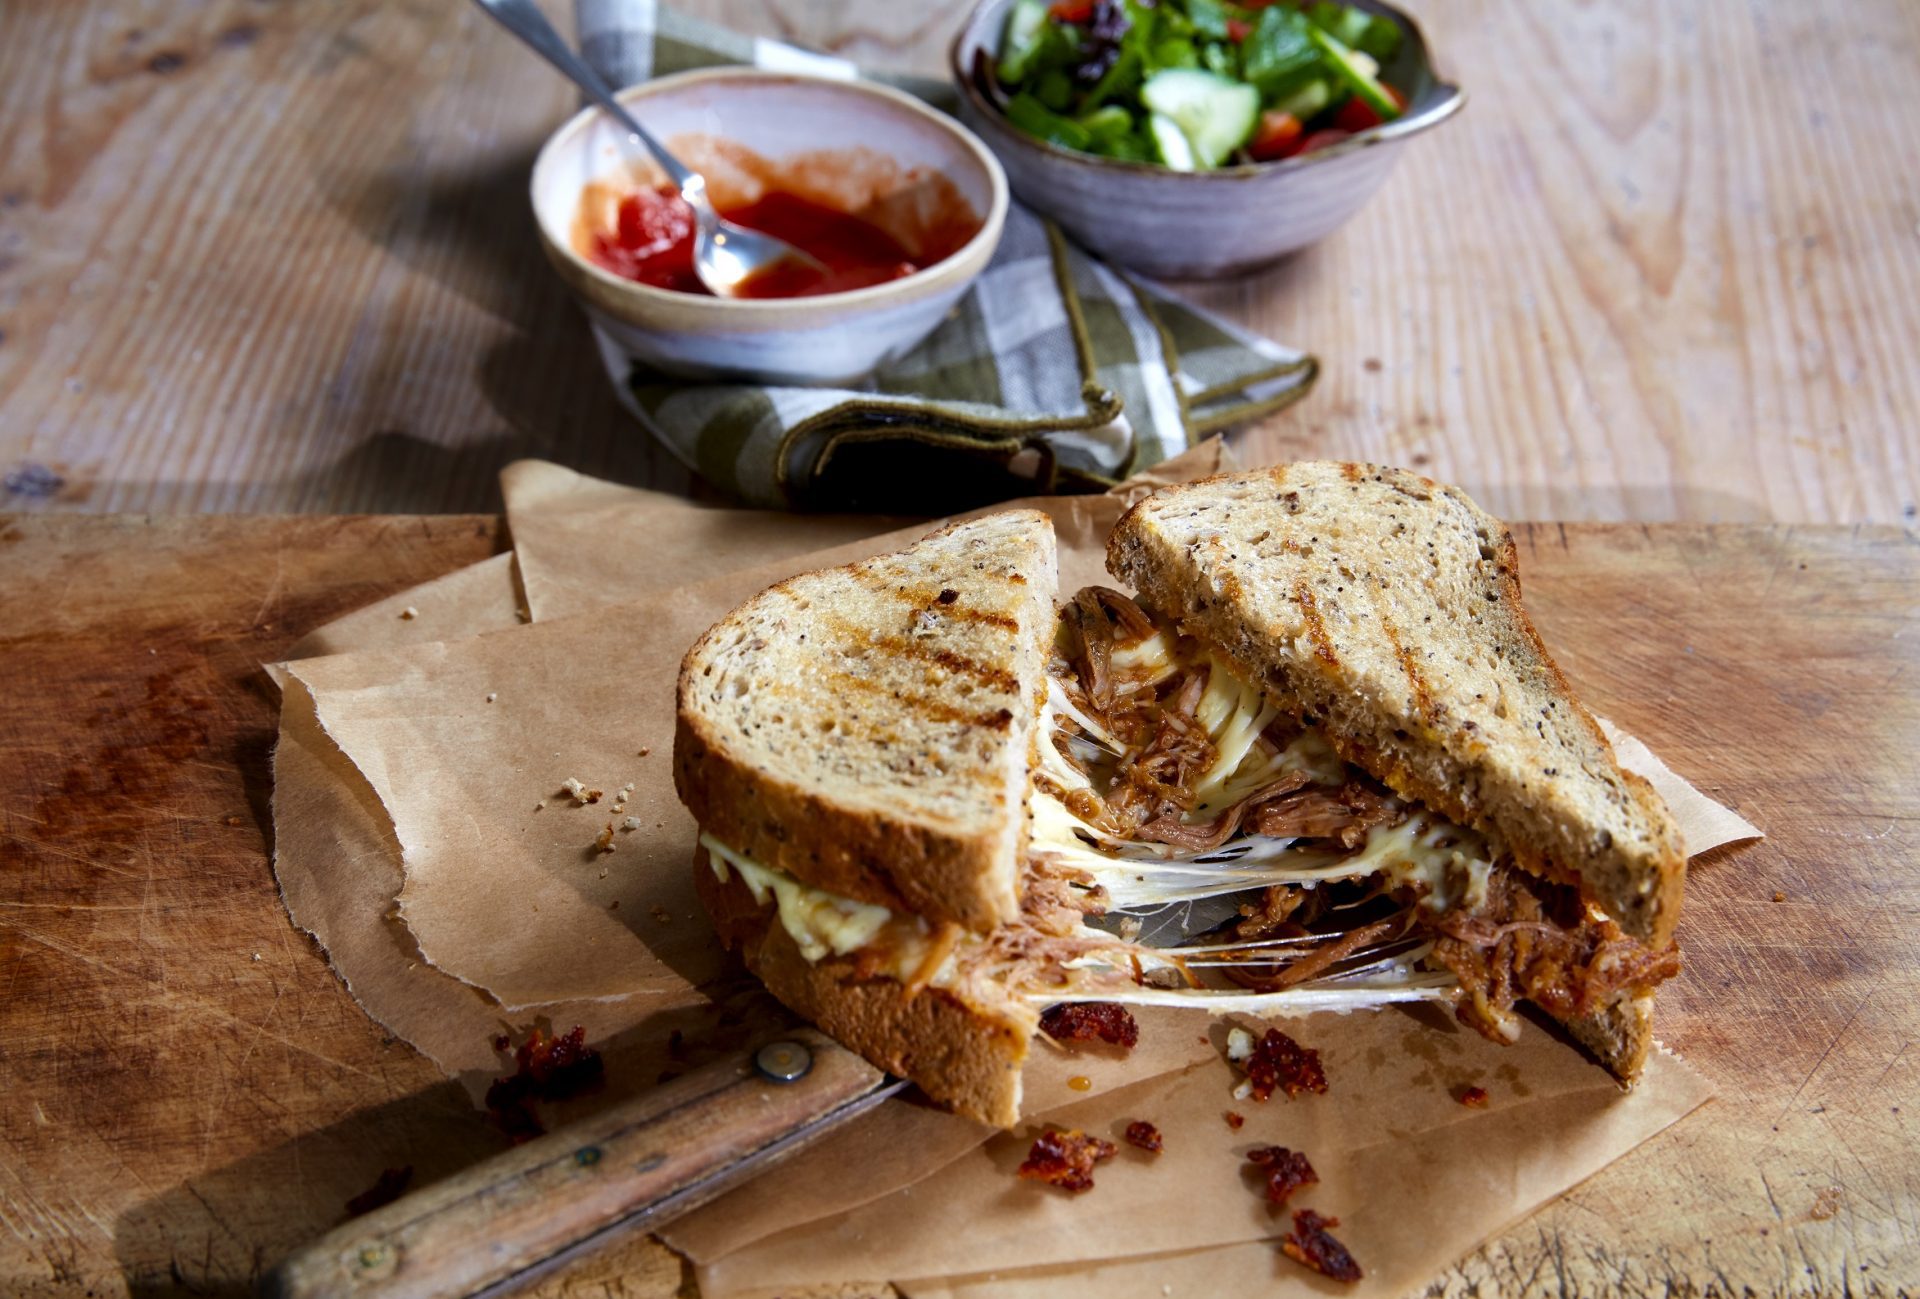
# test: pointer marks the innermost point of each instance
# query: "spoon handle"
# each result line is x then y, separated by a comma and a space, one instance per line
524, 19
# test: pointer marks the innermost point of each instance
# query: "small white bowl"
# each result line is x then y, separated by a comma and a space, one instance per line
894, 143
1202, 224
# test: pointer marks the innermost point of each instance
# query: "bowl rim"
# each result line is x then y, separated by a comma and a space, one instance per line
1448, 99
907, 287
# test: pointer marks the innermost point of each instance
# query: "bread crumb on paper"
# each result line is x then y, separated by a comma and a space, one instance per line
604, 842
631, 823
579, 793
492, 695
644, 752
409, 613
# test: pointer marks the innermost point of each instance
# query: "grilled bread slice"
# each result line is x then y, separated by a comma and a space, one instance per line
866, 729
963, 1055
1388, 607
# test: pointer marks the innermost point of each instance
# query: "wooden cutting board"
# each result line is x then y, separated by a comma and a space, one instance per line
186, 1092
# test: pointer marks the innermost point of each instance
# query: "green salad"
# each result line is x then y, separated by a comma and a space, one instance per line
1195, 84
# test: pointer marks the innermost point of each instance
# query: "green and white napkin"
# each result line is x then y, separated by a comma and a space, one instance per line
1055, 373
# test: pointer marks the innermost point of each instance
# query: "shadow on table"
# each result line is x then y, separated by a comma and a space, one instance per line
219, 1232
468, 227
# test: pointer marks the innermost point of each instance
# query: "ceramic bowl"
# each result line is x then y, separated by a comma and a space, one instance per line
1199, 225
893, 147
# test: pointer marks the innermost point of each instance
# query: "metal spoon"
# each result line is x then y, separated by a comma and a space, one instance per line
725, 255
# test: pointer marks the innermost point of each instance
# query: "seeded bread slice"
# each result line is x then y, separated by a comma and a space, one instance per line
966, 1057
1388, 607
867, 729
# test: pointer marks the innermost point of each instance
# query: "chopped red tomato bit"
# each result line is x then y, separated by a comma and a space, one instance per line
1066, 1159
1286, 1171
1279, 1063
1277, 136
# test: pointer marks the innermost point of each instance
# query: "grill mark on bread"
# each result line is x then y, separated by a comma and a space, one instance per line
1316, 628
918, 598
1422, 695
997, 719
959, 664
909, 648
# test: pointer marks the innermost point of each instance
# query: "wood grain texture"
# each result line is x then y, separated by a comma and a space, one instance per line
273, 257
190, 1093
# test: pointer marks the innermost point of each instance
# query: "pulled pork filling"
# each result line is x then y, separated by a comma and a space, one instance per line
1167, 782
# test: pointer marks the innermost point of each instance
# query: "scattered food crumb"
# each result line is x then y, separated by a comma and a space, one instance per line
409, 613
1278, 1063
631, 823
578, 792
645, 752
1474, 1098
1065, 1159
605, 840
386, 1188
537, 806
1286, 1171
1239, 1044
547, 1067
1080, 1083
234, 820
1310, 1246
256, 956
1091, 1021
1236, 1120
1826, 1203
1779, 897
1144, 1136
661, 914
492, 695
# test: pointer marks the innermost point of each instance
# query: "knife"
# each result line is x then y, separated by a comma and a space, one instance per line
529, 1211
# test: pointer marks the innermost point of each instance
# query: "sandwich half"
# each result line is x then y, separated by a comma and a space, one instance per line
1320, 762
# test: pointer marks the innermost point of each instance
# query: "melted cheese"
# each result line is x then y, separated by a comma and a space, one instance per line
1445, 864
821, 922
1151, 660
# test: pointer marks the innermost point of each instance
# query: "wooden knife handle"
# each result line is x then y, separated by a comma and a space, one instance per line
531, 1209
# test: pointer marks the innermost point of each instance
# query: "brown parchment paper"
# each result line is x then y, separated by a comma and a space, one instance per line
1390, 1141
584, 543
1408, 1207
581, 544
407, 726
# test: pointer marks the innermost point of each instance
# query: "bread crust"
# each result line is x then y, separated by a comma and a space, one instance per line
966, 1058
1417, 754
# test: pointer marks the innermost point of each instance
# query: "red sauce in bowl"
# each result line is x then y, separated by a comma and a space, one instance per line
652, 242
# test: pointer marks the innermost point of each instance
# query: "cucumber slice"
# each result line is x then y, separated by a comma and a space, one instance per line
1109, 123
1308, 102
1215, 115
1348, 67
1020, 39
1170, 142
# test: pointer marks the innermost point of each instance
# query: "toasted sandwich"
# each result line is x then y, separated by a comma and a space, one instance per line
1318, 760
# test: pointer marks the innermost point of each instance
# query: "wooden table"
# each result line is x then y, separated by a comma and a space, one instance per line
261, 256
188, 1092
